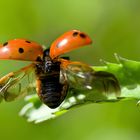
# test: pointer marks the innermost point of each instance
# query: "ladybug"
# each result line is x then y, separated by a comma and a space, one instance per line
49, 75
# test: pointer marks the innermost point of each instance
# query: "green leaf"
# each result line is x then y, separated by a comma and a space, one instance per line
126, 72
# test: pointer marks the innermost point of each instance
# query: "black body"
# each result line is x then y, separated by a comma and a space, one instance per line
51, 92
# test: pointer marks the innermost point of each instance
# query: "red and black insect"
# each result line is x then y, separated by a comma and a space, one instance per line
50, 74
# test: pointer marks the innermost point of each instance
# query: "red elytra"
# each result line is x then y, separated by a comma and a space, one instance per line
69, 41
22, 49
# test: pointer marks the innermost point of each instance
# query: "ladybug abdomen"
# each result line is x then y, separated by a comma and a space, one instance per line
51, 91
50, 88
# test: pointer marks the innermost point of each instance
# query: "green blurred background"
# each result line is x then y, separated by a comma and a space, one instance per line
113, 25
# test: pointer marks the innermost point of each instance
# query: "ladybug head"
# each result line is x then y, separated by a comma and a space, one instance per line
46, 53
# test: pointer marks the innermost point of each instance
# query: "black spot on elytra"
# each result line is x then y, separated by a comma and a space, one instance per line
27, 41
21, 50
82, 35
75, 34
4, 44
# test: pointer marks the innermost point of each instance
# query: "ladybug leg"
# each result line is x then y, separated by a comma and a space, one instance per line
6, 78
12, 85
14, 75
38, 88
7, 81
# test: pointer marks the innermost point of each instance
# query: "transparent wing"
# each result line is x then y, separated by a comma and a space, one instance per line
82, 76
17, 84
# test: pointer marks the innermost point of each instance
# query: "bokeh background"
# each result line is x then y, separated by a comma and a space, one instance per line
114, 27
